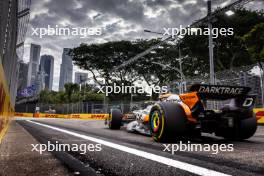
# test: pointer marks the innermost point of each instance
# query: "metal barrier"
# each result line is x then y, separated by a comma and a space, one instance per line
14, 16
64, 116
6, 110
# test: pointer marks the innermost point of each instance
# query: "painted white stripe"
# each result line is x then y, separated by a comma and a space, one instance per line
160, 159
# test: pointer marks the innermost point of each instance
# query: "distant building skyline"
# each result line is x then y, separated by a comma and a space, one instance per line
80, 77
57, 74
33, 64
47, 67
40, 80
66, 69
22, 77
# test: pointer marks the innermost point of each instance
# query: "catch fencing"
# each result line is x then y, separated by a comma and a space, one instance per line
77, 108
248, 76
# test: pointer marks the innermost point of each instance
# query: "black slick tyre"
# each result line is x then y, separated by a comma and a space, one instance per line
115, 119
243, 128
167, 121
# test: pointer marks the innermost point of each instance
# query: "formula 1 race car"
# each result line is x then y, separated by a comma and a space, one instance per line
175, 116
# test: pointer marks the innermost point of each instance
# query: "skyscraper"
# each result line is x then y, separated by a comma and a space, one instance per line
33, 64
80, 77
40, 80
47, 67
22, 78
66, 69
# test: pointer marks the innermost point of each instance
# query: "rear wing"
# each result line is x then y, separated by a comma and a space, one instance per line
219, 92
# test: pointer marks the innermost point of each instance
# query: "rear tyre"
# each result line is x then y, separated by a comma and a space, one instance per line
243, 128
248, 128
167, 121
115, 119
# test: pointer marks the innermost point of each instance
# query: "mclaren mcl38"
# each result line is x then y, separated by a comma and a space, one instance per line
175, 116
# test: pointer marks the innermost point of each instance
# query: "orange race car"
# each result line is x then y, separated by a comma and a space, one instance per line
175, 116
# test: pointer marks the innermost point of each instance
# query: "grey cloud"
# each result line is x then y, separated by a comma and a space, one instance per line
67, 9
130, 12
97, 16
157, 3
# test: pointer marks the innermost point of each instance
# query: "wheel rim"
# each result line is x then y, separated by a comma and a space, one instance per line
155, 121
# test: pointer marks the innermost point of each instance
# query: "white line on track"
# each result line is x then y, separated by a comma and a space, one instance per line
160, 159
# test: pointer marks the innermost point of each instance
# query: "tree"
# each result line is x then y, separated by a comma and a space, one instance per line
230, 51
60, 97
254, 42
101, 59
70, 89
72, 94
242, 48
44, 97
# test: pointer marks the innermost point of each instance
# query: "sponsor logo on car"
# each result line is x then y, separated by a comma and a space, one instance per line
221, 90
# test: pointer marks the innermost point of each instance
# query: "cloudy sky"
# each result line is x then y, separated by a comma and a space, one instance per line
119, 19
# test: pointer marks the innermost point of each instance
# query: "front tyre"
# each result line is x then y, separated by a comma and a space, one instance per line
167, 121
115, 119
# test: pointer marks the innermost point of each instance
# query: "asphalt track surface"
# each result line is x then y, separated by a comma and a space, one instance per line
132, 154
